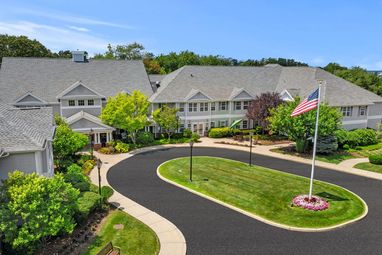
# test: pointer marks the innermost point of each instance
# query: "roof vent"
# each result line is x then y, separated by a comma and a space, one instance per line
79, 56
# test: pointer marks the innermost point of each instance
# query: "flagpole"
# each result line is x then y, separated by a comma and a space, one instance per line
315, 140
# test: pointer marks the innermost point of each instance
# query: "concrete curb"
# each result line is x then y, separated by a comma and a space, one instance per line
171, 239
259, 218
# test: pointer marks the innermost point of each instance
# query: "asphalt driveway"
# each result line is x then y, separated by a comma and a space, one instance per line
210, 228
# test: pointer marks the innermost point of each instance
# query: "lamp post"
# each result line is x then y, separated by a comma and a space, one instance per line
99, 164
250, 148
191, 146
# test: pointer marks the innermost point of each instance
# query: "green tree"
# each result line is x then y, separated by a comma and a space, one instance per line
301, 128
21, 46
358, 76
127, 112
166, 118
33, 208
66, 143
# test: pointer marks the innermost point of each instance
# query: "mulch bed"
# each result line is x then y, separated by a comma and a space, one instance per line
79, 240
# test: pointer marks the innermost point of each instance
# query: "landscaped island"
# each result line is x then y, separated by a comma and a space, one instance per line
264, 192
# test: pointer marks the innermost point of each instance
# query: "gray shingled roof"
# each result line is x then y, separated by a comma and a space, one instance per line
46, 77
25, 130
218, 82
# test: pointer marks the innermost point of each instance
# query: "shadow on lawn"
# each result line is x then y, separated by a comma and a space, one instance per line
331, 196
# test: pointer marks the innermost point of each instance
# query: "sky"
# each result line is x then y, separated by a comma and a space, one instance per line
315, 32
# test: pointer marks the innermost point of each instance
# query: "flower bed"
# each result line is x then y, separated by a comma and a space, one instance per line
314, 204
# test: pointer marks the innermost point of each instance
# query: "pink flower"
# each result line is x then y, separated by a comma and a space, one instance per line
314, 204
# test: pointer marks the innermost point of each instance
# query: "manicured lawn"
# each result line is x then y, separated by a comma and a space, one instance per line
369, 167
366, 151
265, 192
334, 158
134, 238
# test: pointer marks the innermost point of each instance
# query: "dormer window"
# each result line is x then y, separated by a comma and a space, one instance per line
72, 103
81, 102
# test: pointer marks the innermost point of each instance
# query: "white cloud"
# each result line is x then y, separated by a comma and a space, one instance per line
80, 29
56, 38
72, 19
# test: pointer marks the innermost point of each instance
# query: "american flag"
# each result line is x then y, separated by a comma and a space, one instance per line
308, 104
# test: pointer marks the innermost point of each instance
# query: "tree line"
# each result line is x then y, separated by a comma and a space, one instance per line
22, 46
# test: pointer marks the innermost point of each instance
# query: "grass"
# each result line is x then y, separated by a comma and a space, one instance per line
369, 167
338, 156
334, 158
134, 238
262, 191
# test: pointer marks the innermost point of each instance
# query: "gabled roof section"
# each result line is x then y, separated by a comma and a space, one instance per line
86, 116
240, 94
286, 95
25, 129
29, 99
48, 77
197, 95
78, 89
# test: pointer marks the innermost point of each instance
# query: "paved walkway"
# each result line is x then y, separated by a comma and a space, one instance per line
210, 228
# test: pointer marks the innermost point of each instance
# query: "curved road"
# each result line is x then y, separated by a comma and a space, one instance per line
210, 228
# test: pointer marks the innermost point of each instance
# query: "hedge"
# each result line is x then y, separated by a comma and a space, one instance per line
357, 137
375, 159
220, 132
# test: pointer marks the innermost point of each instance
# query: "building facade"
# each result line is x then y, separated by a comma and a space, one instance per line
26, 140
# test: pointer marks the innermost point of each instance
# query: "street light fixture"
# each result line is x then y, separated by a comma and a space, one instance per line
250, 148
99, 165
191, 146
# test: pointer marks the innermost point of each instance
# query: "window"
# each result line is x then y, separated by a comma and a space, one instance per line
91, 102
223, 123
213, 106
245, 105
181, 107
237, 106
223, 106
192, 107
72, 103
203, 107
362, 111
181, 127
81, 102
347, 111
245, 124
212, 124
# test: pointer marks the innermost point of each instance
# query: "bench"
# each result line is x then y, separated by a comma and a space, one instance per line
109, 249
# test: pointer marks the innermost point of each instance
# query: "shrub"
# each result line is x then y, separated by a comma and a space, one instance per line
346, 146
106, 192
327, 144
88, 166
121, 147
85, 157
220, 132
187, 133
145, 138
375, 159
86, 203
106, 150
76, 177
357, 137
195, 137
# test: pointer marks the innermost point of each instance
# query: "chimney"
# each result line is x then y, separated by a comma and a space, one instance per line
79, 56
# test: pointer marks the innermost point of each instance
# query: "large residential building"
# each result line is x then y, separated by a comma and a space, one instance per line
207, 96
77, 88
26, 140
215, 96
